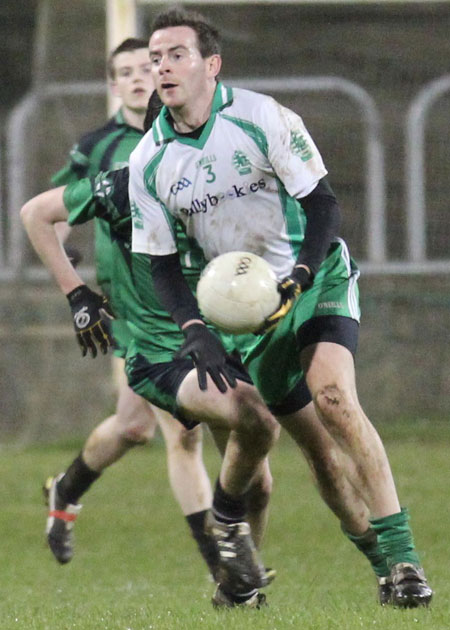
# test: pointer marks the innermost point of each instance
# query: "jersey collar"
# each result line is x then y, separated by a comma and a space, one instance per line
164, 132
120, 121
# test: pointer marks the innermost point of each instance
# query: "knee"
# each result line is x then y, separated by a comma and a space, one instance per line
136, 434
136, 430
256, 421
268, 428
334, 404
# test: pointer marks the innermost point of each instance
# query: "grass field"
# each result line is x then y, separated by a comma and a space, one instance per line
136, 566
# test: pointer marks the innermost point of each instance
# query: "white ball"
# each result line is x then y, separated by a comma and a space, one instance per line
237, 291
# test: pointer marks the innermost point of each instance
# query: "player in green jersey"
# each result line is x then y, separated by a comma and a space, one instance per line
134, 421
240, 422
246, 175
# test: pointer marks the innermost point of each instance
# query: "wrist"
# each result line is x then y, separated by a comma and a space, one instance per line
303, 266
302, 275
195, 327
80, 291
191, 322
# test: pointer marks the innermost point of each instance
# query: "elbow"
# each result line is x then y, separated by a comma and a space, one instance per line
26, 214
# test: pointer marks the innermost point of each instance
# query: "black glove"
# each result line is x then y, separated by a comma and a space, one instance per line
209, 356
298, 281
91, 318
73, 254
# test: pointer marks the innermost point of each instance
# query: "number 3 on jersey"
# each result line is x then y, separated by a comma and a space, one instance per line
211, 177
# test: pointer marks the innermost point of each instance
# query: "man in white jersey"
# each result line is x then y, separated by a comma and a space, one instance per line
240, 172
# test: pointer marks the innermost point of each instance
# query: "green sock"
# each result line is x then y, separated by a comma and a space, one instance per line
395, 538
368, 544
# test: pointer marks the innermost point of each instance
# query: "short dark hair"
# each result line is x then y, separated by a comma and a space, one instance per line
208, 37
153, 108
129, 44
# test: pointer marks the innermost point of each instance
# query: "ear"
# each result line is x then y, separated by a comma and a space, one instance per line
214, 65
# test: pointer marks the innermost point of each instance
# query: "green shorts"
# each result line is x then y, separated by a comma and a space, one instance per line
122, 337
273, 359
159, 382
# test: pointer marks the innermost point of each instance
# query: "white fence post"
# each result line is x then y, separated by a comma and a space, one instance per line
415, 166
16, 151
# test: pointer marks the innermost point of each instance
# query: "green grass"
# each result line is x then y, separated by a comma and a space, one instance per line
137, 568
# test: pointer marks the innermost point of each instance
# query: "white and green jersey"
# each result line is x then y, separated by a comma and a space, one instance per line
235, 187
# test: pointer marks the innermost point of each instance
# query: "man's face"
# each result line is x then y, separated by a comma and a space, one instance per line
179, 71
133, 82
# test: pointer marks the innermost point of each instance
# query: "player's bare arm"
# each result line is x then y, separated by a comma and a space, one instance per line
40, 217
90, 311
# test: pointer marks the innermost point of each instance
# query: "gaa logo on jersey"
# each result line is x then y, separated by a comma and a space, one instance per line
136, 216
103, 187
241, 163
181, 184
299, 146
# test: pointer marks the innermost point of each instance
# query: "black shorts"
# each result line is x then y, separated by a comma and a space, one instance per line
159, 382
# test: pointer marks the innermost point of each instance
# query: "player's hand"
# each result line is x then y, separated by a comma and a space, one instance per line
91, 314
73, 254
209, 357
298, 281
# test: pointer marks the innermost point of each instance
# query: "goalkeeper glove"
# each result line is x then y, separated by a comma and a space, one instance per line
298, 281
91, 319
209, 357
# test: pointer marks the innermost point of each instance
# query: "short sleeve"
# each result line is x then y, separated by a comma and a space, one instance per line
105, 197
292, 152
152, 229
76, 168
79, 200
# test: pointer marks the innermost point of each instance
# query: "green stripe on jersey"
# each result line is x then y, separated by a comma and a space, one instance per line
252, 130
150, 171
295, 219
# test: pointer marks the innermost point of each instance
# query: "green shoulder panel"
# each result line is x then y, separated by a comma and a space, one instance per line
79, 201
64, 176
104, 197
150, 172
253, 131
294, 217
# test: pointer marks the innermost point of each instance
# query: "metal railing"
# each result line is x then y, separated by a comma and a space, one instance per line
29, 107
415, 184
16, 142
13, 242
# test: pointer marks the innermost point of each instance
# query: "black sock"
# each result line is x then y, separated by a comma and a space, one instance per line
77, 479
226, 508
206, 543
